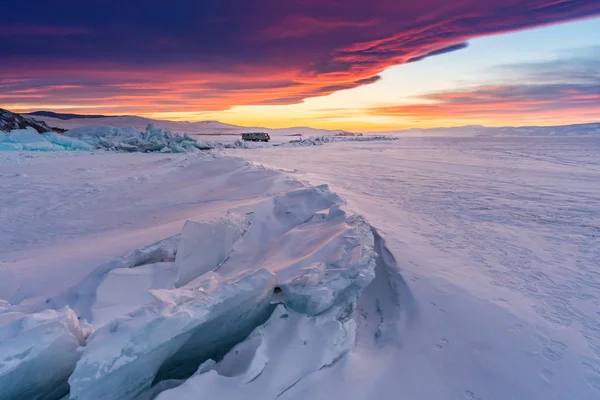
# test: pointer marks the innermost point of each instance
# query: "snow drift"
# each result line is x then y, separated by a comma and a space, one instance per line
218, 303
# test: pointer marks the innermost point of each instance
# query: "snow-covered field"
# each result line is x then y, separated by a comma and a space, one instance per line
499, 240
464, 268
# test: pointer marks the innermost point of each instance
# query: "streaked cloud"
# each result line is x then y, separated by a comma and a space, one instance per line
564, 88
146, 57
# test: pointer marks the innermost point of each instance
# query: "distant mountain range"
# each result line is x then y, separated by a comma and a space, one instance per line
70, 121
590, 129
43, 121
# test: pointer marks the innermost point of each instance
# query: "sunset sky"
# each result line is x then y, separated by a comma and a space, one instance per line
353, 64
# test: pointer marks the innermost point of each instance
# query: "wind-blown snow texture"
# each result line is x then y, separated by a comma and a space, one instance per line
498, 240
492, 292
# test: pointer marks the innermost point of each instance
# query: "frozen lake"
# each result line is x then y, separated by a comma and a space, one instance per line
499, 239
492, 289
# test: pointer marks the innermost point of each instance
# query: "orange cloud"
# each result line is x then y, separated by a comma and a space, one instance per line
145, 58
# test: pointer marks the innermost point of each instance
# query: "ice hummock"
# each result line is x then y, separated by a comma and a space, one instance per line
38, 353
205, 245
153, 139
123, 290
277, 355
67, 143
170, 336
165, 310
30, 140
94, 297
232, 270
88, 138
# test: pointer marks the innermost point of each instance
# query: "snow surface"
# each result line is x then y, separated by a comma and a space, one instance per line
206, 276
162, 311
589, 129
498, 241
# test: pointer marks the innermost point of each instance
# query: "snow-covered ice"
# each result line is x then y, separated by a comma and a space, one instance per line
276, 356
459, 268
498, 241
162, 310
38, 353
205, 245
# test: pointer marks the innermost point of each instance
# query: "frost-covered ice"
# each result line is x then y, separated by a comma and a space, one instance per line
205, 245
153, 139
226, 273
38, 353
276, 356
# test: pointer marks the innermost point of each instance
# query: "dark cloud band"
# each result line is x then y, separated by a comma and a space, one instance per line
258, 52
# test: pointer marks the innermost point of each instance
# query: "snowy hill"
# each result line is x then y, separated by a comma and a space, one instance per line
70, 121
10, 121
